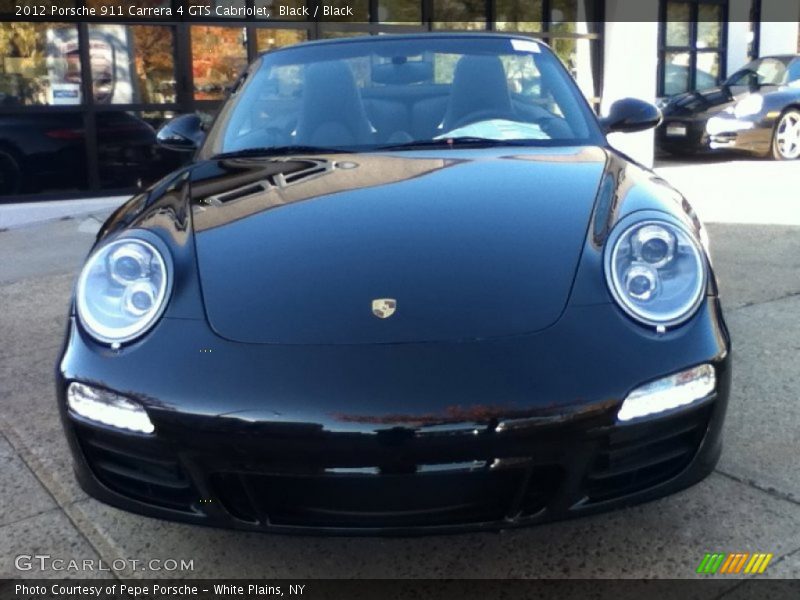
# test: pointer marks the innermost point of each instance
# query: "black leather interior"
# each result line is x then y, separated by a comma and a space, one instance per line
396, 113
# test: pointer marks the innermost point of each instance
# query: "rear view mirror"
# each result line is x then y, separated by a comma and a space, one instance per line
184, 133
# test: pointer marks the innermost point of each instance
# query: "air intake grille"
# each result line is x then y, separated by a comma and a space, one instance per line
151, 478
635, 457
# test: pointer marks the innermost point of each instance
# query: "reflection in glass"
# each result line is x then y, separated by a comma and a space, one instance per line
518, 15
678, 18
132, 64
39, 64
709, 26
269, 39
42, 152
331, 34
576, 54
155, 69
676, 73
459, 14
127, 153
400, 11
572, 16
218, 57
707, 71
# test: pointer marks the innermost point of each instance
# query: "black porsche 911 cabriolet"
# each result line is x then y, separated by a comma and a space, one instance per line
405, 286
756, 110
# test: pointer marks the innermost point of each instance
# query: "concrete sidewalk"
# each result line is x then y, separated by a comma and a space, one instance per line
25, 214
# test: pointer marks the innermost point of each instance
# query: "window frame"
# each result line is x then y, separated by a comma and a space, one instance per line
691, 49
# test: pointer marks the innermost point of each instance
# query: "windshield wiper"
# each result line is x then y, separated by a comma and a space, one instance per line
452, 142
447, 142
280, 151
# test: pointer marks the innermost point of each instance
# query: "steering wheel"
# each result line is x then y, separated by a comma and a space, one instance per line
483, 115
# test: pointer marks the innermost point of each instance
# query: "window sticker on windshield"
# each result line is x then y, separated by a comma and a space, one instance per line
525, 46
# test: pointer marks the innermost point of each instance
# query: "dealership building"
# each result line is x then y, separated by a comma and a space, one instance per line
79, 101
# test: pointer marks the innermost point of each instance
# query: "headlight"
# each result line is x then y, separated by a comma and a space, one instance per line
670, 392
656, 272
108, 408
750, 105
122, 290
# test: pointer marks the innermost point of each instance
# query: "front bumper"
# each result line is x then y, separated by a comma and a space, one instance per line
248, 445
719, 132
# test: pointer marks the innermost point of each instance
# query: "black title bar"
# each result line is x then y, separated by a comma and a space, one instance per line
387, 589
359, 11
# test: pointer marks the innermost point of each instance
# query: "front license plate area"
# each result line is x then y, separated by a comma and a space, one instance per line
386, 500
676, 130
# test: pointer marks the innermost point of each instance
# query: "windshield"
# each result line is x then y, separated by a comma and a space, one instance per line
766, 71
397, 92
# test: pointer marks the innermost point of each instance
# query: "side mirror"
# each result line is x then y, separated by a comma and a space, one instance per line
629, 115
184, 134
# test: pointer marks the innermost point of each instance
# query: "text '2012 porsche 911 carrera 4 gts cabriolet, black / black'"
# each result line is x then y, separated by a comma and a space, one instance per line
405, 286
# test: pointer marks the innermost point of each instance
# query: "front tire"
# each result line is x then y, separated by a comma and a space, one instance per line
786, 136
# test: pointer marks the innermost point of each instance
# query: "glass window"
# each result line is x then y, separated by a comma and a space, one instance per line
154, 62
132, 64
678, 24
676, 73
39, 64
330, 34
793, 72
707, 70
764, 71
218, 57
571, 16
459, 14
576, 54
709, 26
334, 96
692, 32
269, 39
400, 11
43, 152
128, 156
518, 15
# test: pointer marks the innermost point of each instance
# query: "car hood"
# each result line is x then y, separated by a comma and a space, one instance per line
467, 244
708, 102
700, 102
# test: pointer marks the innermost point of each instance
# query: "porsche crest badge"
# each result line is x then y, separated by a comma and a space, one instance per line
383, 308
